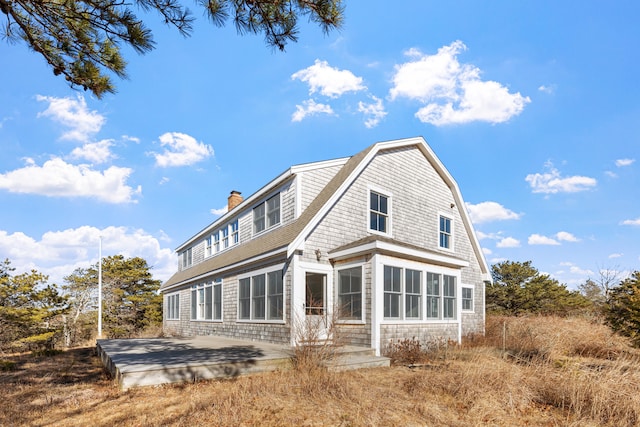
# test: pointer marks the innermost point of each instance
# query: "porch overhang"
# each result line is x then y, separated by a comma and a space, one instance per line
386, 246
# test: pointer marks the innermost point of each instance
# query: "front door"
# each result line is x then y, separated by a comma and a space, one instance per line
315, 307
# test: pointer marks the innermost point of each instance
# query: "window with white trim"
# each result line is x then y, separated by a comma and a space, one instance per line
467, 298
266, 214
173, 307
378, 212
261, 297
350, 293
234, 232
225, 237
206, 301
187, 259
402, 293
392, 292
446, 236
216, 242
441, 296
448, 297
413, 294
207, 247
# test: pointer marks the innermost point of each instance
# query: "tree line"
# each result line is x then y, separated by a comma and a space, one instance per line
519, 289
36, 315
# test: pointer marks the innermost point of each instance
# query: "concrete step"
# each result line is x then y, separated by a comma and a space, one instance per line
346, 362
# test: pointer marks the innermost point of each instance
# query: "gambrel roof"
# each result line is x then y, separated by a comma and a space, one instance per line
283, 241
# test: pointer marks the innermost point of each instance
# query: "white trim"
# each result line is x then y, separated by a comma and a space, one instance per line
452, 223
377, 294
363, 290
380, 246
262, 271
389, 195
473, 297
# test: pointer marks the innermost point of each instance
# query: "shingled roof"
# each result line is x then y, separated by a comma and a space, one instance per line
274, 241
284, 240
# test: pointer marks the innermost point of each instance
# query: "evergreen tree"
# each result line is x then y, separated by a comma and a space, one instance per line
80, 39
130, 300
623, 308
519, 288
29, 310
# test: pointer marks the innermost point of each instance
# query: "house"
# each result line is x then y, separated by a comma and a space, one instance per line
380, 241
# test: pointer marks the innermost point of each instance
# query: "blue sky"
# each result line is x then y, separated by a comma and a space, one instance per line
532, 106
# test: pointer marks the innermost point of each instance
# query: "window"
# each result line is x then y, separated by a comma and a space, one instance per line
392, 292
267, 214
173, 307
378, 212
350, 293
433, 296
261, 297
187, 260
413, 294
467, 298
449, 297
275, 294
273, 211
445, 232
234, 232
216, 242
207, 248
225, 237
206, 301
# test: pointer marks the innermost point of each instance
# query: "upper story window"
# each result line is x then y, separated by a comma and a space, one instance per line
266, 214
378, 212
234, 232
446, 236
216, 242
225, 237
187, 259
208, 249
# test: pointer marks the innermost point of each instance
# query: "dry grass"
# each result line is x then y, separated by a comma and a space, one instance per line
548, 371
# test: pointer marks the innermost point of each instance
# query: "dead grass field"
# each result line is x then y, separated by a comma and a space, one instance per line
526, 371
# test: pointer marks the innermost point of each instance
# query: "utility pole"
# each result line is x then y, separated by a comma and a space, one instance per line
100, 289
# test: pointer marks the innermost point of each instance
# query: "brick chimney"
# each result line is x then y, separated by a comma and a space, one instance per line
235, 198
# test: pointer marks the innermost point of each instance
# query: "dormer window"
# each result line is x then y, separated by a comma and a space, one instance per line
266, 214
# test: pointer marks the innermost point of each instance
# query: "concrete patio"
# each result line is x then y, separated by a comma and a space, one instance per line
145, 362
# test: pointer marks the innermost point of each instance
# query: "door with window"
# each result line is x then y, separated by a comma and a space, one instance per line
315, 308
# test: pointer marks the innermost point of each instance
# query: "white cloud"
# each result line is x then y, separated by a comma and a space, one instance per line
552, 182
329, 81
453, 92
610, 174
374, 112
566, 237
548, 89
631, 221
56, 178
59, 253
220, 211
310, 108
74, 114
486, 251
96, 152
493, 236
624, 162
612, 256
181, 150
537, 239
490, 211
164, 180
508, 242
